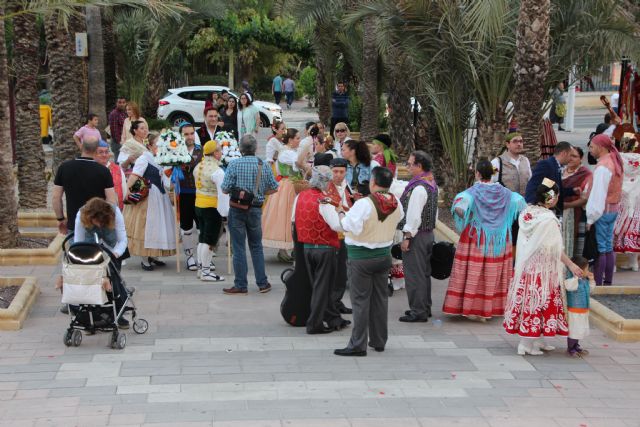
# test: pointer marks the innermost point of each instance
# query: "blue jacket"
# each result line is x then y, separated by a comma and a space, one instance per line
548, 168
340, 105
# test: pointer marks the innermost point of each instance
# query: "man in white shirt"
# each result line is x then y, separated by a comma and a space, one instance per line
604, 203
513, 168
369, 228
317, 223
420, 203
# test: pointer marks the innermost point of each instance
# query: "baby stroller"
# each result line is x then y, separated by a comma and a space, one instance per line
91, 307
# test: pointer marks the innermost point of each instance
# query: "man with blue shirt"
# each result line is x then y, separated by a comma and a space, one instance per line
289, 87
245, 224
339, 106
276, 88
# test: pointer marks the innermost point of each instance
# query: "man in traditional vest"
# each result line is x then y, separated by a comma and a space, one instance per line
420, 203
513, 169
604, 203
337, 190
103, 156
187, 205
316, 223
369, 229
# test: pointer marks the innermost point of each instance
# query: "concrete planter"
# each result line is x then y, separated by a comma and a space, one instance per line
41, 256
37, 219
12, 318
610, 322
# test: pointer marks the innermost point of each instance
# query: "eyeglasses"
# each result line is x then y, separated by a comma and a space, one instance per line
409, 164
340, 130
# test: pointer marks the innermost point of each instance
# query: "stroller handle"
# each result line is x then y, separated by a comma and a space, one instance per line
105, 248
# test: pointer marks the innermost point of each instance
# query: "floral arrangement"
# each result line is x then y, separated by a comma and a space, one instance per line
229, 147
172, 149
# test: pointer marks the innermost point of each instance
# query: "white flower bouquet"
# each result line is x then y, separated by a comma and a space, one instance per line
172, 149
229, 147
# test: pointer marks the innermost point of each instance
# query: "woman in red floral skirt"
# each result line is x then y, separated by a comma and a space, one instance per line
535, 307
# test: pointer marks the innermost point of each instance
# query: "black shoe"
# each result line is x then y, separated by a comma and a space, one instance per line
320, 331
349, 352
343, 324
378, 349
146, 267
345, 310
155, 261
64, 309
411, 318
123, 323
264, 289
409, 313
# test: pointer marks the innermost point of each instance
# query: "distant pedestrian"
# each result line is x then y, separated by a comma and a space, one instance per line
558, 106
247, 180
117, 116
289, 87
133, 115
89, 130
276, 88
339, 106
248, 116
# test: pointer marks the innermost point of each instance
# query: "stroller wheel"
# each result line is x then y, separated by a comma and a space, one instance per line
66, 339
140, 326
118, 341
77, 338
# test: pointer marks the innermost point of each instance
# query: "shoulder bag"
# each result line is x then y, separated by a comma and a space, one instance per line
242, 199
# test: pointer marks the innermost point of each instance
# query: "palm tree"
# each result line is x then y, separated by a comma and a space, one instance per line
32, 184
400, 89
9, 206
369, 79
531, 68
96, 67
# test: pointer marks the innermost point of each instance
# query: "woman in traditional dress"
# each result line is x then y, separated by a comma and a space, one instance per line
360, 165
276, 219
383, 154
133, 114
150, 222
535, 307
627, 228
483, 263
135, 145
574, 220
274, 144
248, 116
208, 176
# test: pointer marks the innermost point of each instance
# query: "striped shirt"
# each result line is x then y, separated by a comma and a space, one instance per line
241, 173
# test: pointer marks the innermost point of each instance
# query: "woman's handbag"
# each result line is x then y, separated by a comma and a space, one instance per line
138, 191
242, 199
590, 251
442, 260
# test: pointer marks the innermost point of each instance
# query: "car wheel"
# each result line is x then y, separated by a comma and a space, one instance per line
264, 121
178, 118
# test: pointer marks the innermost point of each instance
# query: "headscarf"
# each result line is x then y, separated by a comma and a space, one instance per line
604, 141
321, 176
384, 142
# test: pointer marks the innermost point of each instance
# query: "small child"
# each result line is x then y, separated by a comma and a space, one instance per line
578, 291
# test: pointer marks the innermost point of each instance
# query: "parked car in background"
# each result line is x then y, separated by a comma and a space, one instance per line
187, 104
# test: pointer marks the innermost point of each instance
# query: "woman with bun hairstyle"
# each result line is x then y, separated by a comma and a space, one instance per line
535, 307
276, 219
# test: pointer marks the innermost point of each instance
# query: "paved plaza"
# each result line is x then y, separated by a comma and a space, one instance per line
210, 359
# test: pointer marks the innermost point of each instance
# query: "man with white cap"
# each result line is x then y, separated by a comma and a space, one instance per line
317, 223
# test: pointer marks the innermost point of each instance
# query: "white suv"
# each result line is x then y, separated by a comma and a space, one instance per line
187, 104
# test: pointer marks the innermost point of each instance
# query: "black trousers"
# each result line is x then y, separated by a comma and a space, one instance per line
187, 211
340, 283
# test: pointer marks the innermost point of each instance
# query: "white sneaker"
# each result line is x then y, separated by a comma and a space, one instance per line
211, 277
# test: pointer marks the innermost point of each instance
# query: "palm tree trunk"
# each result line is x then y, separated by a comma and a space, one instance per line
532, 66
325, 66
491, 133
109, 50
9, 206
153, 92
97, 96
67, 76
370, 99
399, 88
32, 184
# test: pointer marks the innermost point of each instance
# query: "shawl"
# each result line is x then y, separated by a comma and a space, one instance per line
133, 147
629, 215
423, 178
538, 253
580, 178
385, 206
491, 210
389, 155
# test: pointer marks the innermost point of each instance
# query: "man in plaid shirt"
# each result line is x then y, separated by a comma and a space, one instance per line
246, 224
116, 122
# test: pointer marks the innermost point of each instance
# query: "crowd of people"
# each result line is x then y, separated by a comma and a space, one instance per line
341, 199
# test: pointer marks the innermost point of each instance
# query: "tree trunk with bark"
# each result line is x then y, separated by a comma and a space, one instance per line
370, 99
399, 88
109, 60
153, 92
532, 66
97, 95
67, 77
9, 205
32, 183
325, 66
490, 135
427, 139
